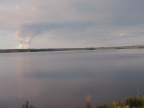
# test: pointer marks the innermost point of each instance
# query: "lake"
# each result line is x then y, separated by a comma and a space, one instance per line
61, 79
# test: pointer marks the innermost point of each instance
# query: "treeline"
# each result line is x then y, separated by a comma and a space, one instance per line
123, 47
68, 49
42, 50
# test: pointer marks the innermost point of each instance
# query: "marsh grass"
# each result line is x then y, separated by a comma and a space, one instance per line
136, 101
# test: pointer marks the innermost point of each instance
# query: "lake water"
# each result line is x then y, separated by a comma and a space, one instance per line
61, 79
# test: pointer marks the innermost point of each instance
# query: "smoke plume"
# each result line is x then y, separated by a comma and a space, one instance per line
28, 32
24, 41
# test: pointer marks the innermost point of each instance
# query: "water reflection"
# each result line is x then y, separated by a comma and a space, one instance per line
61, 79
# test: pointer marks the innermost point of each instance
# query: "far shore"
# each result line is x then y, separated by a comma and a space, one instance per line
69, 49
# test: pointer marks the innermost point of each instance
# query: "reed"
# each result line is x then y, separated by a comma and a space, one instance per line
88, 100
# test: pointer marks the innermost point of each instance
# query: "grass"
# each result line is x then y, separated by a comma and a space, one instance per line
136, 101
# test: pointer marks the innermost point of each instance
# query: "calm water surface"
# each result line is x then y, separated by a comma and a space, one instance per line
61, 79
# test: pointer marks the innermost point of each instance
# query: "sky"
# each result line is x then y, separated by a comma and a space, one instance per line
71, 23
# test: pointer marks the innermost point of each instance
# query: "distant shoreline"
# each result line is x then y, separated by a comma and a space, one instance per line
69, 49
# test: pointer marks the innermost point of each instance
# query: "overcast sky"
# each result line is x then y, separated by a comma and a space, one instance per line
71, 23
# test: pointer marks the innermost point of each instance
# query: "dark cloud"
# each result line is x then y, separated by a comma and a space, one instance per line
128, 13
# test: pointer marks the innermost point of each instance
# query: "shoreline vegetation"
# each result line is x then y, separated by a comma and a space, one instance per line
136, 101
69, 49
